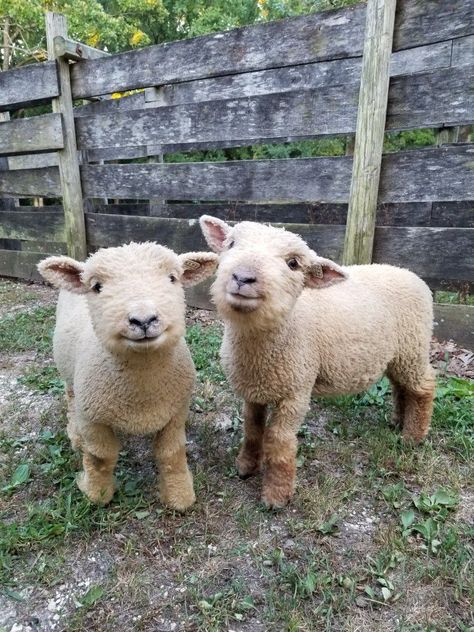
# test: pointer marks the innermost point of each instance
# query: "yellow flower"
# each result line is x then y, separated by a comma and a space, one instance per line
137, 37
116, 95
93, 39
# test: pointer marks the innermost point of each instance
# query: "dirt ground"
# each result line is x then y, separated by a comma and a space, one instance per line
377, 538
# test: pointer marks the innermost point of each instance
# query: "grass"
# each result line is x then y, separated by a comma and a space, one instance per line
27, 331
378, 536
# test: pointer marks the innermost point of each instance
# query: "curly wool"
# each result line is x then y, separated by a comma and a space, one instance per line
116, 378
297, 324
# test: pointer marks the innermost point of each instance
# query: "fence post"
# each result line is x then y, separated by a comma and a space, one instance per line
373, 96
68, 157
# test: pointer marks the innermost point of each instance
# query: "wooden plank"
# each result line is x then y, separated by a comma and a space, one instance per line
76, 51
29, 85
440, 174
24, 136
36, 226
321, 36
411, 214
406, 247
455, 322
426, 99
419, 22
20, 265
433, 99
304, 77
68, 158
33, 161
463, 51
318, 37
453, 214
30, 182
368, 147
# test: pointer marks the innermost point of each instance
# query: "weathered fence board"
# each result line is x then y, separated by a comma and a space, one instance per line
33, 161
437, 98
463, 51
42, 182
322, 36
455, 322
317, 37
38, 133
28, 85
453, 214
422, 21
303, 77
47, 226
22, 265
415, 248
371, 122
440, 174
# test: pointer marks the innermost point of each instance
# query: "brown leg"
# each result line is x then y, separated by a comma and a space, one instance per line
176, 481
249, 459
279, 452
399, 404
418, 408
100, 448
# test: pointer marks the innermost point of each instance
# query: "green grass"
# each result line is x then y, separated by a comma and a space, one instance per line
43, 379
27, 331
228, 562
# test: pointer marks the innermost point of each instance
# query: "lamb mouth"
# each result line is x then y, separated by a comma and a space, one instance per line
241, 303
142, 341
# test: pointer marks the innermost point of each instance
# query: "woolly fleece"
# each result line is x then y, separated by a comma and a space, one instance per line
122, 375
298, 325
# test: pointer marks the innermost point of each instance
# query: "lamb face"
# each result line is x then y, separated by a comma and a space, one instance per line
134, 292
262, 271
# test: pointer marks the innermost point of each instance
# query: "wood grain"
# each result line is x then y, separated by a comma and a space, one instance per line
38, 133
27, 86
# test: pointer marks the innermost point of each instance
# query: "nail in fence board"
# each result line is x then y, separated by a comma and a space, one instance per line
38, 133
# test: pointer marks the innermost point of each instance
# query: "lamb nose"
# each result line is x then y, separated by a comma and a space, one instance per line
242, 280
143, 323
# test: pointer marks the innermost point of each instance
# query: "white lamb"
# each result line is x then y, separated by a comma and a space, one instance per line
119, 347
297, 324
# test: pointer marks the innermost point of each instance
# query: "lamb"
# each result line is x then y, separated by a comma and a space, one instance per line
119, 347
297, 324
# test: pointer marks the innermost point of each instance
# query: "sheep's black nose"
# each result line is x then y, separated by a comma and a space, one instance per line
243, 279
143, 323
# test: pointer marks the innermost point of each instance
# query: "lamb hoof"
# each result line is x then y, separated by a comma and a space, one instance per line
246, 467
275, 499
100, 495
178, 493
179, 503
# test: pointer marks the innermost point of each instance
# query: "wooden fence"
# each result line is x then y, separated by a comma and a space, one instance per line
283, 81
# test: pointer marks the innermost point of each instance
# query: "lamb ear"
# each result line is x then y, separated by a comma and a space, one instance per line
64, 273
323, 273
215, 231
197, 266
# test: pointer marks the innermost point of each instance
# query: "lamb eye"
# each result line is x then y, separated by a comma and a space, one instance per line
172, 278
231, 245
97, 287
293, 264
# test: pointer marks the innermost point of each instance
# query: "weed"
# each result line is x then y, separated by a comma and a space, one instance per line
27, 331
44, 379
204, 343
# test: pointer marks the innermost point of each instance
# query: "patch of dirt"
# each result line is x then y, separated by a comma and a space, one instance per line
449, 359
